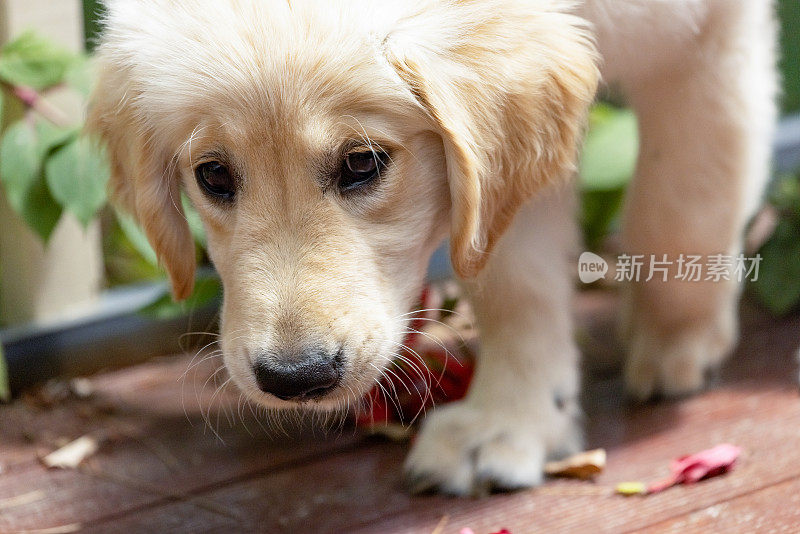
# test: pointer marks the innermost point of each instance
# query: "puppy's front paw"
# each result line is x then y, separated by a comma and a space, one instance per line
463, 449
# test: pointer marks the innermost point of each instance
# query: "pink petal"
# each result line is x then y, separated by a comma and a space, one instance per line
710, 462
694, 467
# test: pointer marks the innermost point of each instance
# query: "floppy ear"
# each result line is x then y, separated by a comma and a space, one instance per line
144, 179
507, 84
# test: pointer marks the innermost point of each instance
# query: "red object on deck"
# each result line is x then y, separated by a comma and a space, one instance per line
693, 467
412, 386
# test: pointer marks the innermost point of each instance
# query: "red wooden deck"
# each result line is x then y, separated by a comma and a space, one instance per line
161, 468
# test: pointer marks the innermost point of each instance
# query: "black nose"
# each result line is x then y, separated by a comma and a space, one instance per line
309, 375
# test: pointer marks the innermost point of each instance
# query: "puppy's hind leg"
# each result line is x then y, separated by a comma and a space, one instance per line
522, 406
706, 124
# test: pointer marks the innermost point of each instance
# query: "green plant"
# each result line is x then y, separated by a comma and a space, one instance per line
607, 165
778, 283
789, 15
92, 13
48, 167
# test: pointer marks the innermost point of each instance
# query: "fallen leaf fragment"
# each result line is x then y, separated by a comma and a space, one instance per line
631, 488
82, 388
392, 431
63, 529
72, 454
442, 523
582, 465
21, 500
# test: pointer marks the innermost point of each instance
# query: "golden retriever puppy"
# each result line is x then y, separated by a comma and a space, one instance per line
330, 146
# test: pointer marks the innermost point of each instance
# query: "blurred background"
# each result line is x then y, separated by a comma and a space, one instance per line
81, 289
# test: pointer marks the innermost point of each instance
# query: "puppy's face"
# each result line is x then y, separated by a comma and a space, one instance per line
321, 211
329, 147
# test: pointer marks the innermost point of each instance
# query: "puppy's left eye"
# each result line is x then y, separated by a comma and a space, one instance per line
216, 180
361, 168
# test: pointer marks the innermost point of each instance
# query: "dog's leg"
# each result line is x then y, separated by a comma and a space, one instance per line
522, 406
706, 125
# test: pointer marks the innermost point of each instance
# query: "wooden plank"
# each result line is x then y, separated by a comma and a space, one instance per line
360, 491
773, 509
36, 499
769, 440
26, 431
164, 471
193, 437
194, 520
755, 408
325, 495
156, 446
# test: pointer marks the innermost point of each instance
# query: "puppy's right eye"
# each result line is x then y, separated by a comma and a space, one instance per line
215, 180
360, 168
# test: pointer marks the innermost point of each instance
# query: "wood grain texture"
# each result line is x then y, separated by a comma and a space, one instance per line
774, 509
161, 468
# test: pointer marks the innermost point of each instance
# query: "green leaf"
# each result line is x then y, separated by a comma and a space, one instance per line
41, 211
137, 238
93, 14
19, 161
789, 17
2, 96
21, 175
80, 75
600, 210
124, 263
778, 282
77, 174
206, 291
610, 149
33, 61
5, 388
195, 223
785, 194
51, 137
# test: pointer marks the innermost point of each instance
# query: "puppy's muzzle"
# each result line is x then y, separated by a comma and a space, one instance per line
308, 375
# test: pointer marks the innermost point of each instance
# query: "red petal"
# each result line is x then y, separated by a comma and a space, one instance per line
710, 462
704, 464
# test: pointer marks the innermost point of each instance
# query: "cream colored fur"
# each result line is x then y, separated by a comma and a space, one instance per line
480, 104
